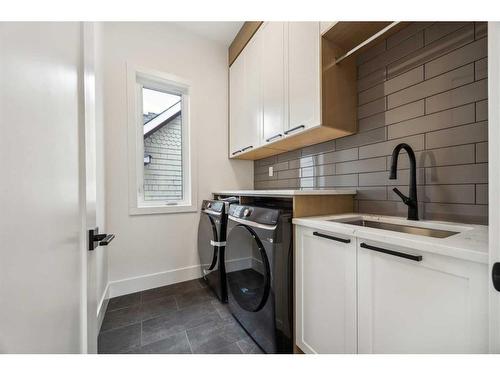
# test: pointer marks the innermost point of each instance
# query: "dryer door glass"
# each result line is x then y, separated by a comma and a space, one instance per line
207, 233
247, 267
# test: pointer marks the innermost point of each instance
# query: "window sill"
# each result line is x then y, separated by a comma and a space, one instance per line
155, 210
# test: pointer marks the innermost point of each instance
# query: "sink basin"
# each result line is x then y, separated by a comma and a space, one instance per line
428, 232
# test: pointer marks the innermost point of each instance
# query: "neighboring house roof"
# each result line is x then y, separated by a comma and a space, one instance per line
162, 119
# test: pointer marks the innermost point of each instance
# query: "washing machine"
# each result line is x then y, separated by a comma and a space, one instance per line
259, 277
211, 244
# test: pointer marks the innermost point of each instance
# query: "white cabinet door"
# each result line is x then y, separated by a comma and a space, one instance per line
245, 99
252, 105
325, 292
236, 104
436, 305
273, 80
303, 76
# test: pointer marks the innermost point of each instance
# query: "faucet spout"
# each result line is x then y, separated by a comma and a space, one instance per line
411, 201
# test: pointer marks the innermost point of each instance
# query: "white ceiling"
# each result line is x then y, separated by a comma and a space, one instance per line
221, 32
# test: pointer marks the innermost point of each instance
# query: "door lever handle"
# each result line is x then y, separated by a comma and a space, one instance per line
105, 239
95, 239
495, 276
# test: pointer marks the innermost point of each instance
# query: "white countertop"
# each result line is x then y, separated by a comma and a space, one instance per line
471, 243
285, 193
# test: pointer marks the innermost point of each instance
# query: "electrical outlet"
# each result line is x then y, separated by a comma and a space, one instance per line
271, 171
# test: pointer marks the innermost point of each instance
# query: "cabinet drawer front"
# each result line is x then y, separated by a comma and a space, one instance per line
326, 294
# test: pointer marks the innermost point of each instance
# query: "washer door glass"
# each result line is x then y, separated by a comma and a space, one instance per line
207, 232
248, 276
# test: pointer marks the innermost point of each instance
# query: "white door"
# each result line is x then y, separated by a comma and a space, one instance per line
236, 104
494, 176
325, 292
42, 159
304, 75
93, 182
433, 305
273, 80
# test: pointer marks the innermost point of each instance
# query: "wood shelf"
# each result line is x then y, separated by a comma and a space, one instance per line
346, 36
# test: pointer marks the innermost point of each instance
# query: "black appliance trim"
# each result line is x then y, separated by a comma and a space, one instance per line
215, 249
267, 273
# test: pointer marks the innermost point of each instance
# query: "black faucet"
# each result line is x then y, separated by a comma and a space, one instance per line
410, 201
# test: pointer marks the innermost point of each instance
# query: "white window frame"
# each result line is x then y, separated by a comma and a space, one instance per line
137, 77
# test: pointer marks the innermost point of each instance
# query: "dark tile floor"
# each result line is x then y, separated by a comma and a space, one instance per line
180, 318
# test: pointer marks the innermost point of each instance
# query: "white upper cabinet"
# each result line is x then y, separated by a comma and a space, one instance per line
325, 278
273, 80
245, 98
304, 86
236, 102
275, 92
435, 305
253, 94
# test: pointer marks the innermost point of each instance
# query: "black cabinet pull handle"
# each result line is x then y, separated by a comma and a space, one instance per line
331, 237
236, 152
293, 129
246, 148
416, 258
274, 137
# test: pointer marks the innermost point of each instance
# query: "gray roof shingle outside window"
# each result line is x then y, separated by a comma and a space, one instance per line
163, 176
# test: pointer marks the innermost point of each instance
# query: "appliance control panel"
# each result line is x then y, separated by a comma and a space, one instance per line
259, 215
213, 205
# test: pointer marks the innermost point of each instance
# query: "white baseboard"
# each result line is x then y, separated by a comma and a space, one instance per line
103, 305
153, 280
139, 283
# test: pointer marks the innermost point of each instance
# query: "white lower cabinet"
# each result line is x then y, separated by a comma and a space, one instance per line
325, 292
373, 297
435, 305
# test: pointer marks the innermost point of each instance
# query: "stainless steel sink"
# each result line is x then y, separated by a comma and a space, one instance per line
437, 233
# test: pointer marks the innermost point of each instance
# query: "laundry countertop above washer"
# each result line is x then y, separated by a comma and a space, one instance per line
285, 193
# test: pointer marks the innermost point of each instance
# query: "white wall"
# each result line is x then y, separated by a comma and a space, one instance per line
156, 244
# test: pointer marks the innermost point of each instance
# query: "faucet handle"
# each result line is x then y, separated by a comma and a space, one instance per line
403, 197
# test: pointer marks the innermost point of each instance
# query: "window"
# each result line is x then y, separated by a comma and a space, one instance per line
159, 144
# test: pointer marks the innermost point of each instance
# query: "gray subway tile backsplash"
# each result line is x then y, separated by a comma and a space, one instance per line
482, 152
385, 148
441, 29
436, 121
457, 174
399, 51
462, 56
481, 68
471, 93
436, 85
472, 133
433, 50
432, 77
371, 79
